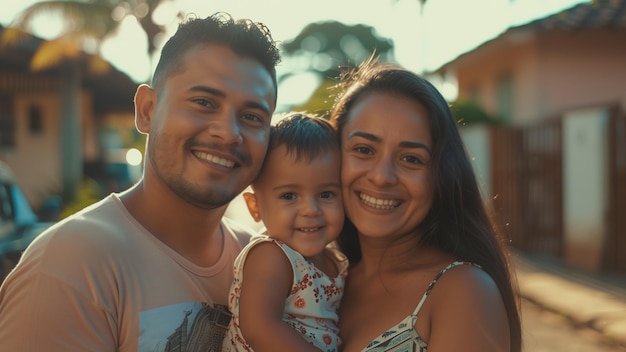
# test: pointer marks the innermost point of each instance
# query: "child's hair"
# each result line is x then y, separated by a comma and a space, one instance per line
304, 136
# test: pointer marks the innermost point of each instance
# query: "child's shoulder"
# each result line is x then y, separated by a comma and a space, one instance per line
338, 258
260, 238
334, 253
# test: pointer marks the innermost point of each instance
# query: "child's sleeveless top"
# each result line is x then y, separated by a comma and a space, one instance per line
312, 305
403, 337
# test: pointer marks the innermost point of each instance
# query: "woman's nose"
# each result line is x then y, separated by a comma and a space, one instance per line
383, 172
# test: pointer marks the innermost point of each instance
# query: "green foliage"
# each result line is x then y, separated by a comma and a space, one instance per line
89, 192
468, 112
326, 48
85, 22
321, 100
335, 44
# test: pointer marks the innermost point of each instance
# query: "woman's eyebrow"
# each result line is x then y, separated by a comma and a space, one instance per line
375, 138
415, 145
365, 135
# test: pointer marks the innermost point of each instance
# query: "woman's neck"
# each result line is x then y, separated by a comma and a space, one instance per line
406, 253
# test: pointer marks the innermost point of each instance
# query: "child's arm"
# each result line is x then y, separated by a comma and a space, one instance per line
268, 278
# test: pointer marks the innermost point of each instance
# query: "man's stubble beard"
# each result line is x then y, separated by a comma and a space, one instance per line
204, 197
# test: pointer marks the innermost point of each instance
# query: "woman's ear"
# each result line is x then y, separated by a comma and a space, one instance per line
145, 101
253, 207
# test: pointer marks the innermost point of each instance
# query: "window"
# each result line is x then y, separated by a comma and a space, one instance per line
7, 122
6, 209
474, 93
35, 120
504, 97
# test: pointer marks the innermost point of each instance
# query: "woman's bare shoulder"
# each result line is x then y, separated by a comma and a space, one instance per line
466, 303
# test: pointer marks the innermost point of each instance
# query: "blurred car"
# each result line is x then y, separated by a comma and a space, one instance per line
19, 224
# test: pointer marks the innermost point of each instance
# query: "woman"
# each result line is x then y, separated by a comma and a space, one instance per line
428, 269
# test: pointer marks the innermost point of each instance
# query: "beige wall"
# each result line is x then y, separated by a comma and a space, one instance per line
36, 159
580, 69
552, 72
485, 70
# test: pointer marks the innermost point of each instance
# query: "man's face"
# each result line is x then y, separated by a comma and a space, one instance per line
210, 126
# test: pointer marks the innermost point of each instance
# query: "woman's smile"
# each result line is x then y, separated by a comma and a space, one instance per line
377, 203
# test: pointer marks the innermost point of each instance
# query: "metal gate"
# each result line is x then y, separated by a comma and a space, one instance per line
527, 179
527, 175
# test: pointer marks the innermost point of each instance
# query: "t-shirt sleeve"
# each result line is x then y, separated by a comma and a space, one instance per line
41, 312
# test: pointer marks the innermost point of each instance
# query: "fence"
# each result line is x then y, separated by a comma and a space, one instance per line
527, 177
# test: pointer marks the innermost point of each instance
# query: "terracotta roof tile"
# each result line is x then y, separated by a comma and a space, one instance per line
599, 13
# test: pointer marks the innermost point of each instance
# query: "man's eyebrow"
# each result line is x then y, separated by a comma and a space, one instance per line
208, 90
216, 92
256, 105
375, 138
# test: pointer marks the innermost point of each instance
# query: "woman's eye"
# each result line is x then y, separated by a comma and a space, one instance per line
412, 159
288, 196
363, 150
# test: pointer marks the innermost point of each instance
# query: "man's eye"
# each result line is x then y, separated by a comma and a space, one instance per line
252, 117
203, 102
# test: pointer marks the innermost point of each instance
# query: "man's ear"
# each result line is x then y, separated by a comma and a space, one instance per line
145, 101
253, 207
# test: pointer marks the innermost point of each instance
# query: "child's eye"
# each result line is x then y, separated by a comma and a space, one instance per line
327, 194
288, 196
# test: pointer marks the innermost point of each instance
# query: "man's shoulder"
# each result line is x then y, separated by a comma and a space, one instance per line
85, 226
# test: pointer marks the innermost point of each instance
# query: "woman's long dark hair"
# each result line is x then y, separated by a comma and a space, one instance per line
458, 222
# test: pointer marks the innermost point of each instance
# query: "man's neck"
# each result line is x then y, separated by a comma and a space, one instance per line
193, 232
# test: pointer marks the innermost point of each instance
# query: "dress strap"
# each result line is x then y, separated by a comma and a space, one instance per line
432, 283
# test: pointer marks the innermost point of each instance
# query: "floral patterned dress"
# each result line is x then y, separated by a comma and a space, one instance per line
311, 307
403, 337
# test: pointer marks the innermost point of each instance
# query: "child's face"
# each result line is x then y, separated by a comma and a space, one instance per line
299, 202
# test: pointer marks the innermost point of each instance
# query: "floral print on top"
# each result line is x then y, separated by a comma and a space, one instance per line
311, 307
403, 337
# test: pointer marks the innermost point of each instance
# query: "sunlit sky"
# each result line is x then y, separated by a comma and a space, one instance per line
424, 39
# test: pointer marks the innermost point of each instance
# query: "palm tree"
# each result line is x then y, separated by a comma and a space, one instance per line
86, 21
337, 45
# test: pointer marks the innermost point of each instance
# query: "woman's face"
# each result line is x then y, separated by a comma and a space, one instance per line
386, 174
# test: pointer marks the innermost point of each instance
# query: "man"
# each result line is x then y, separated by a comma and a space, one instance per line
149, 269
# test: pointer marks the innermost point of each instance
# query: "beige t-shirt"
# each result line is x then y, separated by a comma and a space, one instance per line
99, 281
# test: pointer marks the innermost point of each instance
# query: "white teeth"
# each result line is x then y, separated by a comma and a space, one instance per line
378, 203
308, 229
215, 159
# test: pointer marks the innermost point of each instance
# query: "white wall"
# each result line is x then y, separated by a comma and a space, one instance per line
585, 187
477, 143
